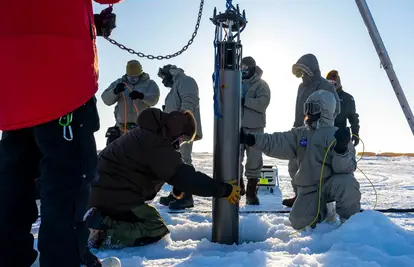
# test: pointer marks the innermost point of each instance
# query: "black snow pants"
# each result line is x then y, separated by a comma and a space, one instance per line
66, 170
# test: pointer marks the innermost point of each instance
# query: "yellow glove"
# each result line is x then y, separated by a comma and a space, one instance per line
234, 196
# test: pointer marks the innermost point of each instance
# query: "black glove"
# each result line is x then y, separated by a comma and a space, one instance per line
120, 87
355, 139
342, 136
242, 101
136, 95
247, 139
105, 22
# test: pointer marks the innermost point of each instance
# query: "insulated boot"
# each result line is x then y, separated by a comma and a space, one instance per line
90, 260
184, 203
251, 192
288, 202
242, 187
167, 200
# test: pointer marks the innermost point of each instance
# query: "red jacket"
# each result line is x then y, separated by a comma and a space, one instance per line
48, 59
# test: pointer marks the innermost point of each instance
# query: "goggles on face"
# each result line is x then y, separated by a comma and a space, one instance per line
298, 73
311, 108
299, 70
244, 68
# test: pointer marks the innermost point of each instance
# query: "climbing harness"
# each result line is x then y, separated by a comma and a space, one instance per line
139, 54
65, 122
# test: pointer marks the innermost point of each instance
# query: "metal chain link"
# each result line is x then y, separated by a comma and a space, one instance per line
132, 51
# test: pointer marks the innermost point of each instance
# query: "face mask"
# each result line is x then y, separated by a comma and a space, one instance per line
306, 79
133, 79
312, 121
247, 72
312, 113
336, 84
168, 81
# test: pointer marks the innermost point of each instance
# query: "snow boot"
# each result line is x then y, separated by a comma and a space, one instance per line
94, 221
90, 260
288, 202
242, 187
167, 200
251, 192
184, 203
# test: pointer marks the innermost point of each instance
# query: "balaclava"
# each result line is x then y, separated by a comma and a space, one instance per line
133, 71
166, 76
248, 67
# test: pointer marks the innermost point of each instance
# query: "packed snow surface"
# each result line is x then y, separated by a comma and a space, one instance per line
368, 239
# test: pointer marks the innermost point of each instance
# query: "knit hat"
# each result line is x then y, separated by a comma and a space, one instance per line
133, 68
334, 76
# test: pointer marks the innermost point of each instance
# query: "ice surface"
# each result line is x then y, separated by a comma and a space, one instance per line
367, 239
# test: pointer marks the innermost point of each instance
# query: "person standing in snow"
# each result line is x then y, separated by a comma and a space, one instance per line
132, 171
255, 100
48, 54
308, 145
348, 110
307, 68
183, 95
132, 93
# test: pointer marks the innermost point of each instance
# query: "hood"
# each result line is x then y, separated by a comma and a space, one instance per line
309, 64
257, 75
327, 102
176, 71
169, 126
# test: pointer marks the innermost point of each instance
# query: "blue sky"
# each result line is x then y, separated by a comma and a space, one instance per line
278, 33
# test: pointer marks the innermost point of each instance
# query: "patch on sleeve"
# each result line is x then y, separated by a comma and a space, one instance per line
303, 142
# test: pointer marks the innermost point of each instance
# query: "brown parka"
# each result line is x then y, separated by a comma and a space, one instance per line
132, 169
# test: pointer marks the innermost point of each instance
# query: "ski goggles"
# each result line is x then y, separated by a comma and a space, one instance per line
300, 69
311, 108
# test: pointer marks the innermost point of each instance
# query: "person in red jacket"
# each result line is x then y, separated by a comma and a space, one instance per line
48, 115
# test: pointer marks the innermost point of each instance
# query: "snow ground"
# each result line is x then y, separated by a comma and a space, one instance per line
368, 239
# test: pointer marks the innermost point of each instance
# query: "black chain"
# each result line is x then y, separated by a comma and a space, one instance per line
132, 51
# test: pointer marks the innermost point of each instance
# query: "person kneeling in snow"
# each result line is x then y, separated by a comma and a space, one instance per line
132, 171
309, 145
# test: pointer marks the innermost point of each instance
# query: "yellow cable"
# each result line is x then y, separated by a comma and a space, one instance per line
321, 180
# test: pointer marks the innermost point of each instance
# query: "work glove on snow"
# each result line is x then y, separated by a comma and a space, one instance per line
234, 196
355, 139
120, 87
342, 136
136, 95
247, 139
105, 22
